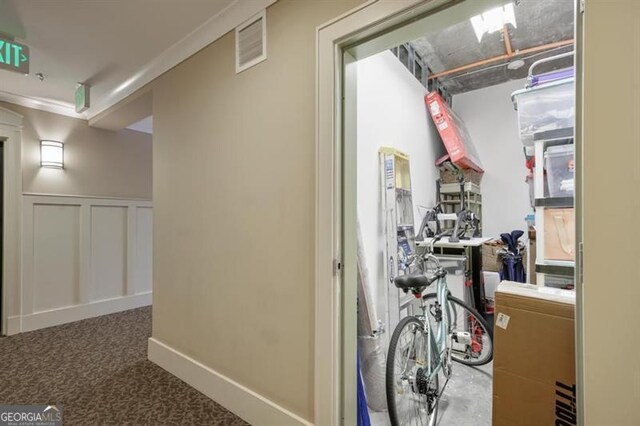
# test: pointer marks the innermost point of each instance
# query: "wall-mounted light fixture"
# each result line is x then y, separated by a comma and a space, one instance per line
52, 154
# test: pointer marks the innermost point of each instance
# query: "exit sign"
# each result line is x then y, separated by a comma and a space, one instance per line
82, 97
14, 56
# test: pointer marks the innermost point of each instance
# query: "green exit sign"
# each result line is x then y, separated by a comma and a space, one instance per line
82, 97
14, 56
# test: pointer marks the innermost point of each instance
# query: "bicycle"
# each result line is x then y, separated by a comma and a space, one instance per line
447, 329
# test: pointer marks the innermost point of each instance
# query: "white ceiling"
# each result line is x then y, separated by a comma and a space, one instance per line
102, 42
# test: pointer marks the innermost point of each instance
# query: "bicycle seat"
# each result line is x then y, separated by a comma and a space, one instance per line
415, 283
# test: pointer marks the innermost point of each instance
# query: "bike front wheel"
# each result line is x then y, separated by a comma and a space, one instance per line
472, 339
412, 395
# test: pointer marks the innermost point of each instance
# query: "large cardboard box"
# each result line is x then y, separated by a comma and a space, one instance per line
534, 356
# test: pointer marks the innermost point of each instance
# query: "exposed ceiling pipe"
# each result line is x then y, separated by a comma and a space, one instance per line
514, 54
489, 67
507, 40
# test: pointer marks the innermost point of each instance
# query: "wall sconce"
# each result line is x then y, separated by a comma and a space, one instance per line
52, 154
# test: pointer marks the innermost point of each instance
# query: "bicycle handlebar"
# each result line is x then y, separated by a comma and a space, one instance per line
429, 256
437, 238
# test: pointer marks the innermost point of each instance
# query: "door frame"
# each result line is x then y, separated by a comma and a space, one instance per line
371, 28
11, 129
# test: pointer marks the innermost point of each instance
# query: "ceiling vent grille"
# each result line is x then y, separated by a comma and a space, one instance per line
251, 42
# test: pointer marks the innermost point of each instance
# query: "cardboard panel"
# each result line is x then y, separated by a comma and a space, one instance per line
534, 360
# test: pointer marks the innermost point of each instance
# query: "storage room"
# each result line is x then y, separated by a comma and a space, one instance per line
466, 224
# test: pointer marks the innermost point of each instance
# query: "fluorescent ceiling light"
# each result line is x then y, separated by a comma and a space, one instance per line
493, 20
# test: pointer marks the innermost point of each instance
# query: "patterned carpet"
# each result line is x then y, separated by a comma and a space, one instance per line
98, 370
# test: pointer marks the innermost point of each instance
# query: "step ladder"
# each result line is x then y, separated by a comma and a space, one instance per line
398, 229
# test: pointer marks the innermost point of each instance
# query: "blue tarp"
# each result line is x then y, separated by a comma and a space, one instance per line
363, 411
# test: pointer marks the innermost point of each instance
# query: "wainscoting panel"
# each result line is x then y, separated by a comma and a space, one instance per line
56, 256
83, 257
108, 252
144, 247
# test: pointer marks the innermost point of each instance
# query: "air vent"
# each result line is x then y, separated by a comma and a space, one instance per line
251, 42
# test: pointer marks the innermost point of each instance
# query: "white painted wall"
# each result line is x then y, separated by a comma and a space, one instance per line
493, 125
391, 112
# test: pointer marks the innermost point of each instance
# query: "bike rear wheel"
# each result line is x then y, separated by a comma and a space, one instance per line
465, 319
412, 399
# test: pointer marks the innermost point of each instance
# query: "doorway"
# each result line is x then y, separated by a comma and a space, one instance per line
374, 41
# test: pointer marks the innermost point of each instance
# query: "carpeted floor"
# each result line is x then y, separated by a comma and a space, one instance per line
98, 370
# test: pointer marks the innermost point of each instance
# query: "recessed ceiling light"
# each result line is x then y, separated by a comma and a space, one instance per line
515, 64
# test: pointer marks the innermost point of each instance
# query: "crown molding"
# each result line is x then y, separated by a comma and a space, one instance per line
214, 28
42, 104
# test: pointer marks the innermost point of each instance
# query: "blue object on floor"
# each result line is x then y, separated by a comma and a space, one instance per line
363, 411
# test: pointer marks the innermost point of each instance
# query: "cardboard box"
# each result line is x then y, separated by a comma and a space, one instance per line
534, 356
491, 261
468, 175
532, 277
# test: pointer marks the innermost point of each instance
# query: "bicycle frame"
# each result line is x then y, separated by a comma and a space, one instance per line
448, 337
441, 335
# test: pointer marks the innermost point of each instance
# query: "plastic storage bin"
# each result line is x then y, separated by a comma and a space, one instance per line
546, 107
560, 170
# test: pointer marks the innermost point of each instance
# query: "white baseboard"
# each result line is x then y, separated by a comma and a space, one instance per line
245, 403
59, 316
13, 325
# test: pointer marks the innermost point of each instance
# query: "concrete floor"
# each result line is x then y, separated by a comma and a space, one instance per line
466, 400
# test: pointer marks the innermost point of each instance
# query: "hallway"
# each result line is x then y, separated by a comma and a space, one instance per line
97, 369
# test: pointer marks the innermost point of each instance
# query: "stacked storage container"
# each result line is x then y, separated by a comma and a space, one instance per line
546, 119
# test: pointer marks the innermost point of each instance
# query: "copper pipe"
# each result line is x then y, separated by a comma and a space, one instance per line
502, 57
507, 40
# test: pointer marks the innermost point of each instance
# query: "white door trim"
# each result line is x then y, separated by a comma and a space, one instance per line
355, 32
11, 128
331, 39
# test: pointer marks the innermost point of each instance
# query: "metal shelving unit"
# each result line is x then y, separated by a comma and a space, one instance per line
554, 202
450, 200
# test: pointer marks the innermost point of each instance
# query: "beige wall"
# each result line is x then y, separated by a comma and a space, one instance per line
234, 201
611, 205
97, 162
